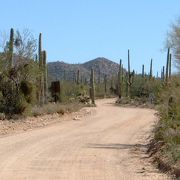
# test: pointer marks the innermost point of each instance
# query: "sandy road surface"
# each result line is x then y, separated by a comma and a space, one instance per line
108, 144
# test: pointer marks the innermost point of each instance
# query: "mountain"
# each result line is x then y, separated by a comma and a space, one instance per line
60, 70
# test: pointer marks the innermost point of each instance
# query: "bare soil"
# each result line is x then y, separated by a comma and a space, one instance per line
106, 142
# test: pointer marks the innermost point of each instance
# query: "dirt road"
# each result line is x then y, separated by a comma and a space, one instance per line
107, 144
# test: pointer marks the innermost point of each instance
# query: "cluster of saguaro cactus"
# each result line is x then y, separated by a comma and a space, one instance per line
43, 73
166, 73
92, 88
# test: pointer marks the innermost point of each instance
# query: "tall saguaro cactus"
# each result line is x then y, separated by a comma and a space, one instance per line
143, 71
45, 76
41, 67
119, 85
162, 75
105, 84
78, 77
129, 75
150, 71
11, 48
129, 78
40, 49
167, 66
170, 62
92, 88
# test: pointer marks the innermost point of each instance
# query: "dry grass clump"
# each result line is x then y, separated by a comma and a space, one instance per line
59, 108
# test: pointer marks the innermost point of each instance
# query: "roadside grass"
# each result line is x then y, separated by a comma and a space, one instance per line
50, 108
60, 108
168, 127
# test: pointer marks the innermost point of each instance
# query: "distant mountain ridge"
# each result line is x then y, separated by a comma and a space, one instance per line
60, 70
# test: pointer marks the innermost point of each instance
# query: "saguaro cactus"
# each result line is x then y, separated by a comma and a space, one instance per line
92, 88
143, 71
105, 84
129, 77
40, 49
78, 77
170, 61
122, 74
45, 76
163, 76
150, 71
167, 66
11, 48
41, 68
119, 85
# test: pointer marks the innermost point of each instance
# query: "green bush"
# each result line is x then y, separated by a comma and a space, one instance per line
168, 129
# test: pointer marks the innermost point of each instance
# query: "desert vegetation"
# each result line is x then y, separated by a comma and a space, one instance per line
24, 81
28, 86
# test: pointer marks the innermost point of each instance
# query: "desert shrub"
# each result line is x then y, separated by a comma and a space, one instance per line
17, 92
146, 89
168, 128
71, 91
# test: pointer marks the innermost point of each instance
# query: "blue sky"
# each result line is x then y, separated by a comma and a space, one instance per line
79, 30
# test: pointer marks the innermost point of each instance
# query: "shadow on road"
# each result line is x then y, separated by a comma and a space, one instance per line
116, 146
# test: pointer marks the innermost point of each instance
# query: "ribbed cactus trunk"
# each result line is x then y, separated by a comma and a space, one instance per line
143, 71
78, 77
112, 81
11, 48
92, 88
41, 68
45, 77
105, 85
36, 58
119, 85
127, 85
167, 67
150, 71
163, 75
122, 74
170, 64
129, 76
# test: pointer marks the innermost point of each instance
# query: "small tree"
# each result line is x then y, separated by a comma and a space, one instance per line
173, 41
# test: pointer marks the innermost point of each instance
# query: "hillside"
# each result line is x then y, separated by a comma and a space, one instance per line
60, 70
